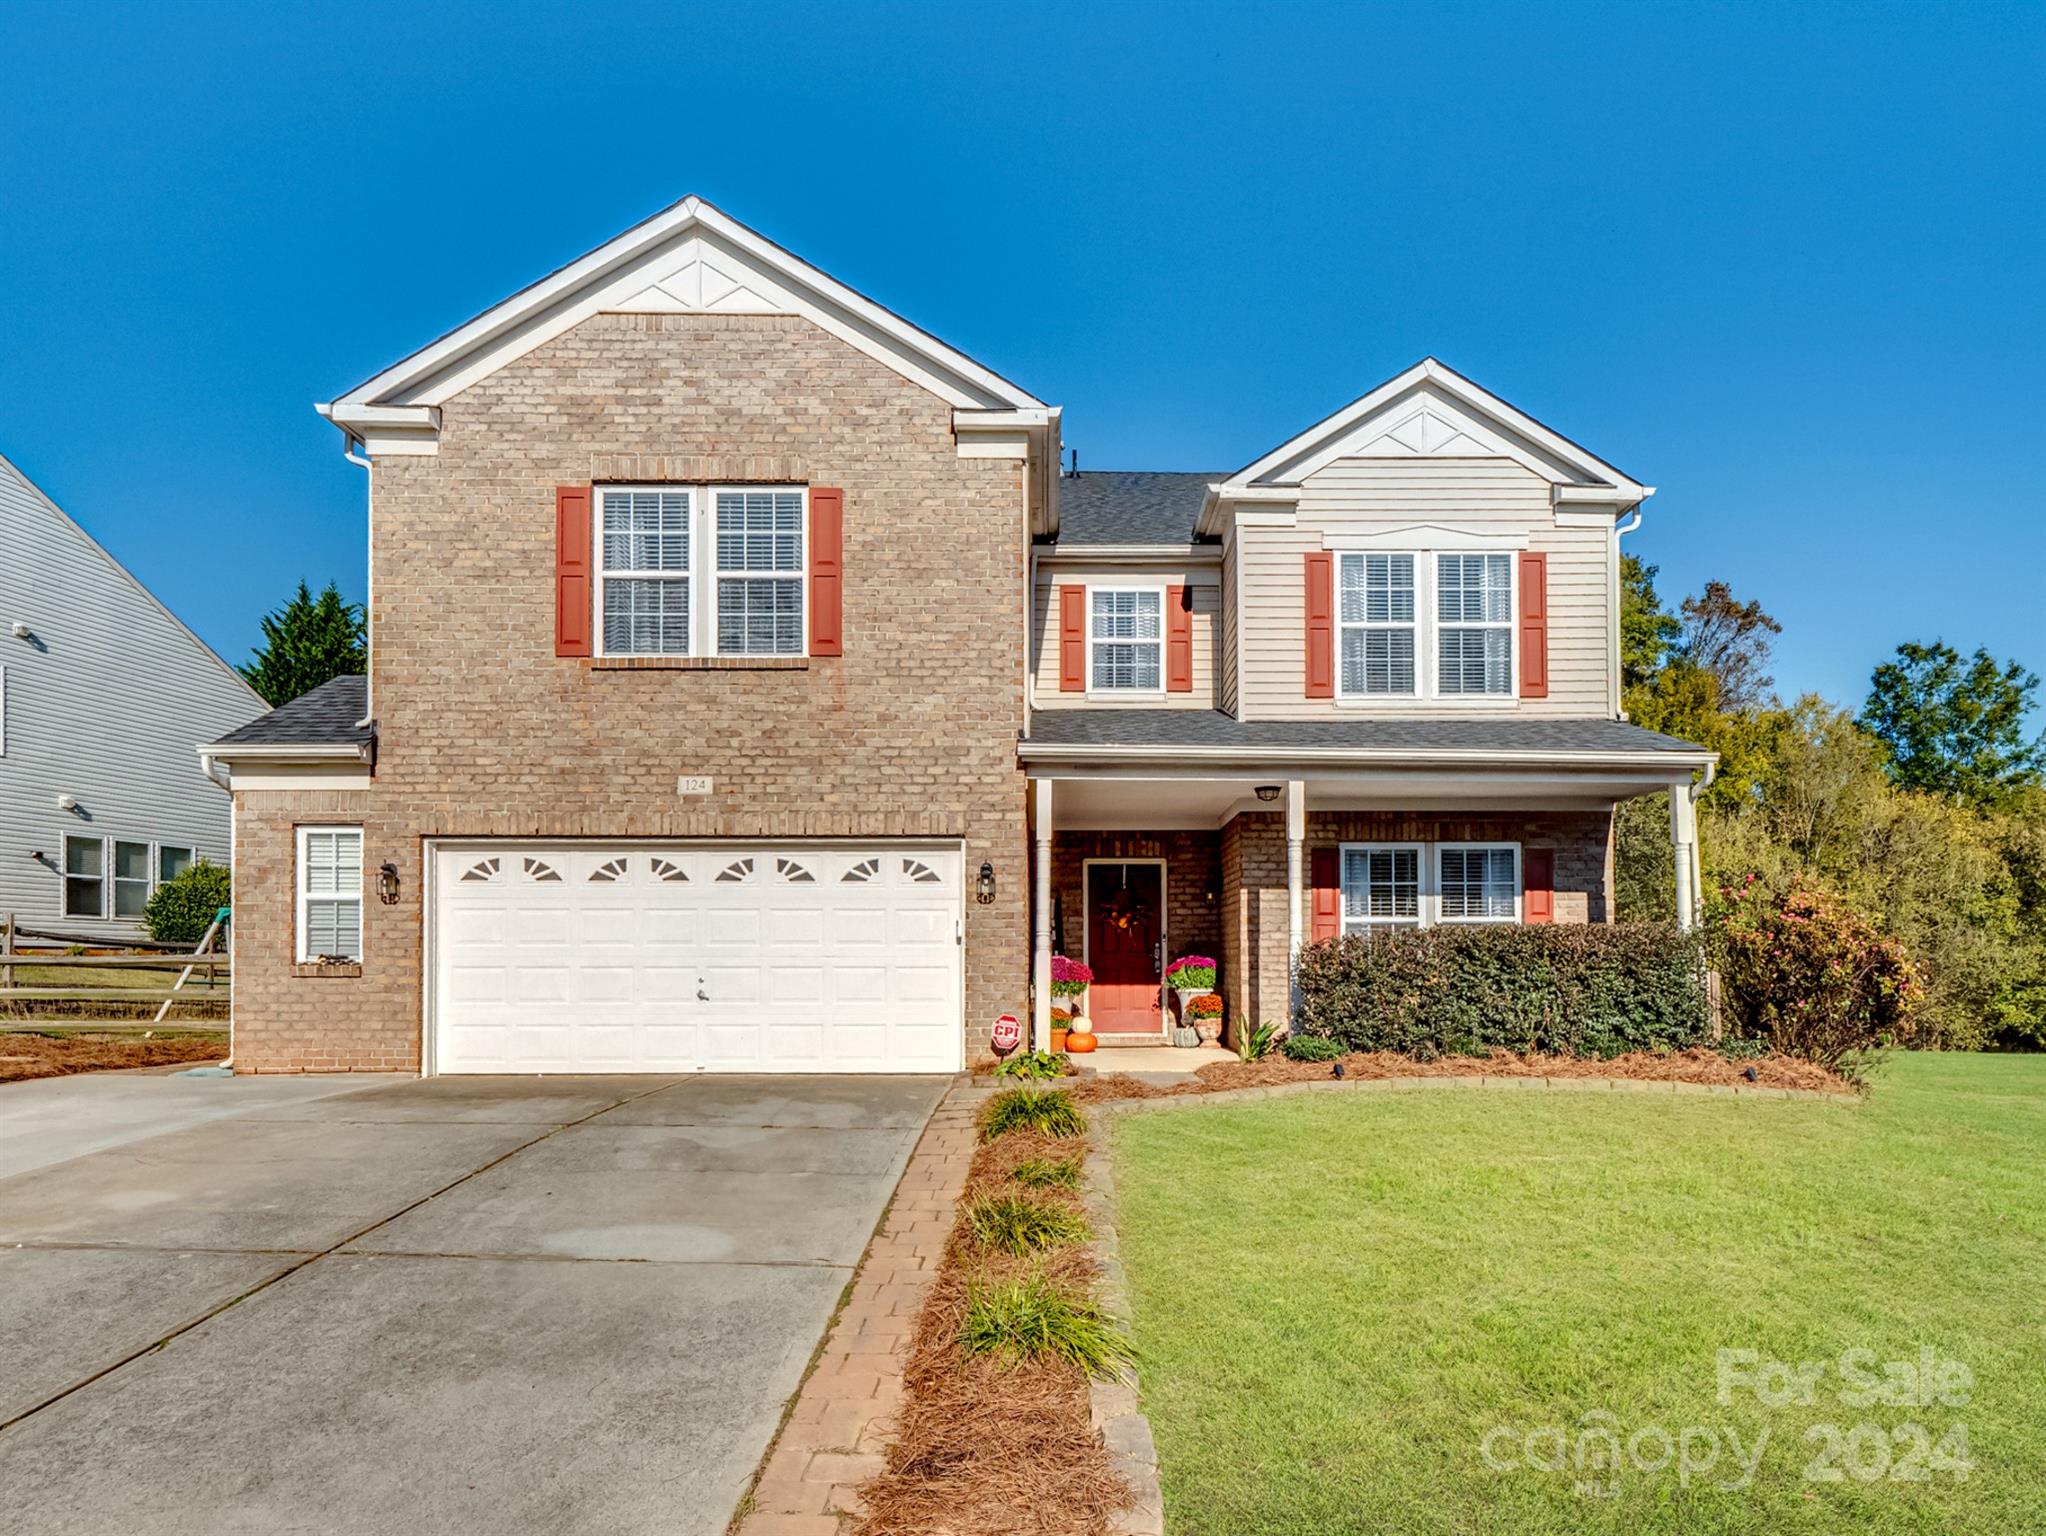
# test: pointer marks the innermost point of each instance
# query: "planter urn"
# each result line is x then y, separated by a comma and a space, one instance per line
1186, 1036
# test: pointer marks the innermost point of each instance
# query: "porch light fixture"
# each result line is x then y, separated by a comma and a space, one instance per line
387, 883
1268, 793
984, 887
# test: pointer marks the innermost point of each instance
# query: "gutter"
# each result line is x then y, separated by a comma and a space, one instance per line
1051, 752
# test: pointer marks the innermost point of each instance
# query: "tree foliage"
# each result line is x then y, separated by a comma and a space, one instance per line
1956, 728
309, 641
1730, 640
182, 908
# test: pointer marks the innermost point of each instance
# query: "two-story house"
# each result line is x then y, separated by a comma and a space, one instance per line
749, 690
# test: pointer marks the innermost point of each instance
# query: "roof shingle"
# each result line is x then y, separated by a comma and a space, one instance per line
1131, 506
328, 716
1211, 728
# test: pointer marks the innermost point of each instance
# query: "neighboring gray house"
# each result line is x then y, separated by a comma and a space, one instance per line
102, 693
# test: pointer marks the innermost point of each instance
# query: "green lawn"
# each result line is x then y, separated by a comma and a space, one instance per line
1338, 1296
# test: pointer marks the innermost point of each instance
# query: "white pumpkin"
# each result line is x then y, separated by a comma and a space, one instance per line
1080, 1024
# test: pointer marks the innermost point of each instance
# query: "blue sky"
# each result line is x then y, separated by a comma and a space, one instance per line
1787, 263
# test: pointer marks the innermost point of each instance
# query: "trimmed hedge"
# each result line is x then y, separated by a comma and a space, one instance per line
180, 910
1569, 989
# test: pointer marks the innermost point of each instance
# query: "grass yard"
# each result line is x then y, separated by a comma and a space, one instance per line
1339, 1297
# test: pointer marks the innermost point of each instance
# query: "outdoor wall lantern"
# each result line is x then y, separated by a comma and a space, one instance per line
387, 883
1268, 793
984, 888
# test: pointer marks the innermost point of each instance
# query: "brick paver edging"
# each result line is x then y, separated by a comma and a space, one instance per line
838, 1425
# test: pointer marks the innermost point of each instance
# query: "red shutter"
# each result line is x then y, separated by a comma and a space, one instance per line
573, 610
1325, 880
827, 571
1538, 885
1321, 626
1534, 626
1072, 639
1178, 640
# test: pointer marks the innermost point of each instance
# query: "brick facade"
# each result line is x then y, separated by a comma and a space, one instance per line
1256, 923
1193, 905
483, 731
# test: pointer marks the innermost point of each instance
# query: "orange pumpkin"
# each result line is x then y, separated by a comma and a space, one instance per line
1080, 1045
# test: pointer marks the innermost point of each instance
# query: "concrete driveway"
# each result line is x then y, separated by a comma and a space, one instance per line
461, 1304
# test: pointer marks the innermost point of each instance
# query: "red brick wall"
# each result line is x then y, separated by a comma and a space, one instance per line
1193, 923
483, 731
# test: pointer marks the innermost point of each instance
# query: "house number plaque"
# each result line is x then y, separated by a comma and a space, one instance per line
691, 785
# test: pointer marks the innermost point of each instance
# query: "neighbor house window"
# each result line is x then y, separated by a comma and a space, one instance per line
85, 887
131, 878
329, 893
760, 572
1480, 884
644, 549
1474, 614
171, 861
1378, 618
1126, 639
1381, 885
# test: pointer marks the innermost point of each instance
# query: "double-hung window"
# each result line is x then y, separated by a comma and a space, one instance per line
1474, 615
1126, 639
329, 893
85, 888
644, 548
113, 877
1378, 621
760, 572
1480, 883
132, 884
1381, 885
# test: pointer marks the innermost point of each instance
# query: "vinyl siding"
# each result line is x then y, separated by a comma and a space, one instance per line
1225, 685
106, 704
1354, 496
1207, 631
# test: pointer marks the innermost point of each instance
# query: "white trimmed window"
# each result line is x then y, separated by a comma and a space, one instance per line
644, 544
132, 884
113, 876
171, 861
1377, 620
85, 885
1479, 883
329, 893
1126, 639
1381, 885
1474, 615
760, 569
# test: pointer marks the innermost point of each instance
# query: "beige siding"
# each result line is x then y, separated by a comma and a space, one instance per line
1225, 688
1365, 495
1206, 633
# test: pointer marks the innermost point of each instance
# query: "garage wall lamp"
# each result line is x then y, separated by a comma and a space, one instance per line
984, 888
387, 883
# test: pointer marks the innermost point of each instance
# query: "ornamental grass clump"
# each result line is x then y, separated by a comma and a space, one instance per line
1048, 1111
1033, 1319
1021, 1224
1048, 1172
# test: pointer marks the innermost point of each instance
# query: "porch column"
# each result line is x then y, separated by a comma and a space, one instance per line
1683, 836
1296, 859
1040, 919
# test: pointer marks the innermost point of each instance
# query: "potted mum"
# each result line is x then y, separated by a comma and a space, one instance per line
1205, 1014
1069, 982
1189, 976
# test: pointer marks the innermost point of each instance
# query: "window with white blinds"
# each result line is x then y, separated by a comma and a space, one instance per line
1474, 611
644, 549
1126, 639
1377, 619
702, 570
1480, 884
330, 893
1381, 885
760, 573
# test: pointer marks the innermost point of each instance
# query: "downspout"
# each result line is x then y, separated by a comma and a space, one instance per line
350, 442
1620, 530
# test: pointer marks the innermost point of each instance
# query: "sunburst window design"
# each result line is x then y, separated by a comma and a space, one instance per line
538, 869
734, 872
920, 873
793, 872
668, 871
483, 869
861, 873
608, 871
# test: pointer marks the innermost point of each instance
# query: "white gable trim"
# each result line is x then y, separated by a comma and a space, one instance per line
1433, 411
689, 258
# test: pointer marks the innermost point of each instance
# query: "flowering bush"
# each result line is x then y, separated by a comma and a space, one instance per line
1207, 1006
1191, 971
1069, 978
1811, 976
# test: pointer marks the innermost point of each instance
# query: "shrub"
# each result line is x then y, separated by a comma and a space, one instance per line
1311, 1048
1019, 1224
1572, 989
1255, 1044
1191, 971
1048, 1172
1033, 1065
1812, 977
1207, 1006
1032, 1319
179, 910
1069, 978
1050, 1111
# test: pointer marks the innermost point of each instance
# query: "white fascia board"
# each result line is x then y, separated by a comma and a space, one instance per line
544, 309
1130, 554
1225, 500
1665, 766
280, 752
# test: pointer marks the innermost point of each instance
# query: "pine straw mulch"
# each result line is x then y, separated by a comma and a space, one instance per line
980, 1450
1692, 1066
27, 1056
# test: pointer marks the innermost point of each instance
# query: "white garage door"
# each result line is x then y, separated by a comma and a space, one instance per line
637, 957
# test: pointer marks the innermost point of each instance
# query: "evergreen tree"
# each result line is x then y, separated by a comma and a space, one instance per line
307, 642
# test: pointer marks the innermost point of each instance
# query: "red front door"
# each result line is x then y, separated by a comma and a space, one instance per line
1125, 934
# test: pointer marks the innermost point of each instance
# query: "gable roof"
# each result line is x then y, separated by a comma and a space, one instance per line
689, 258
1124, 506
330, 715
